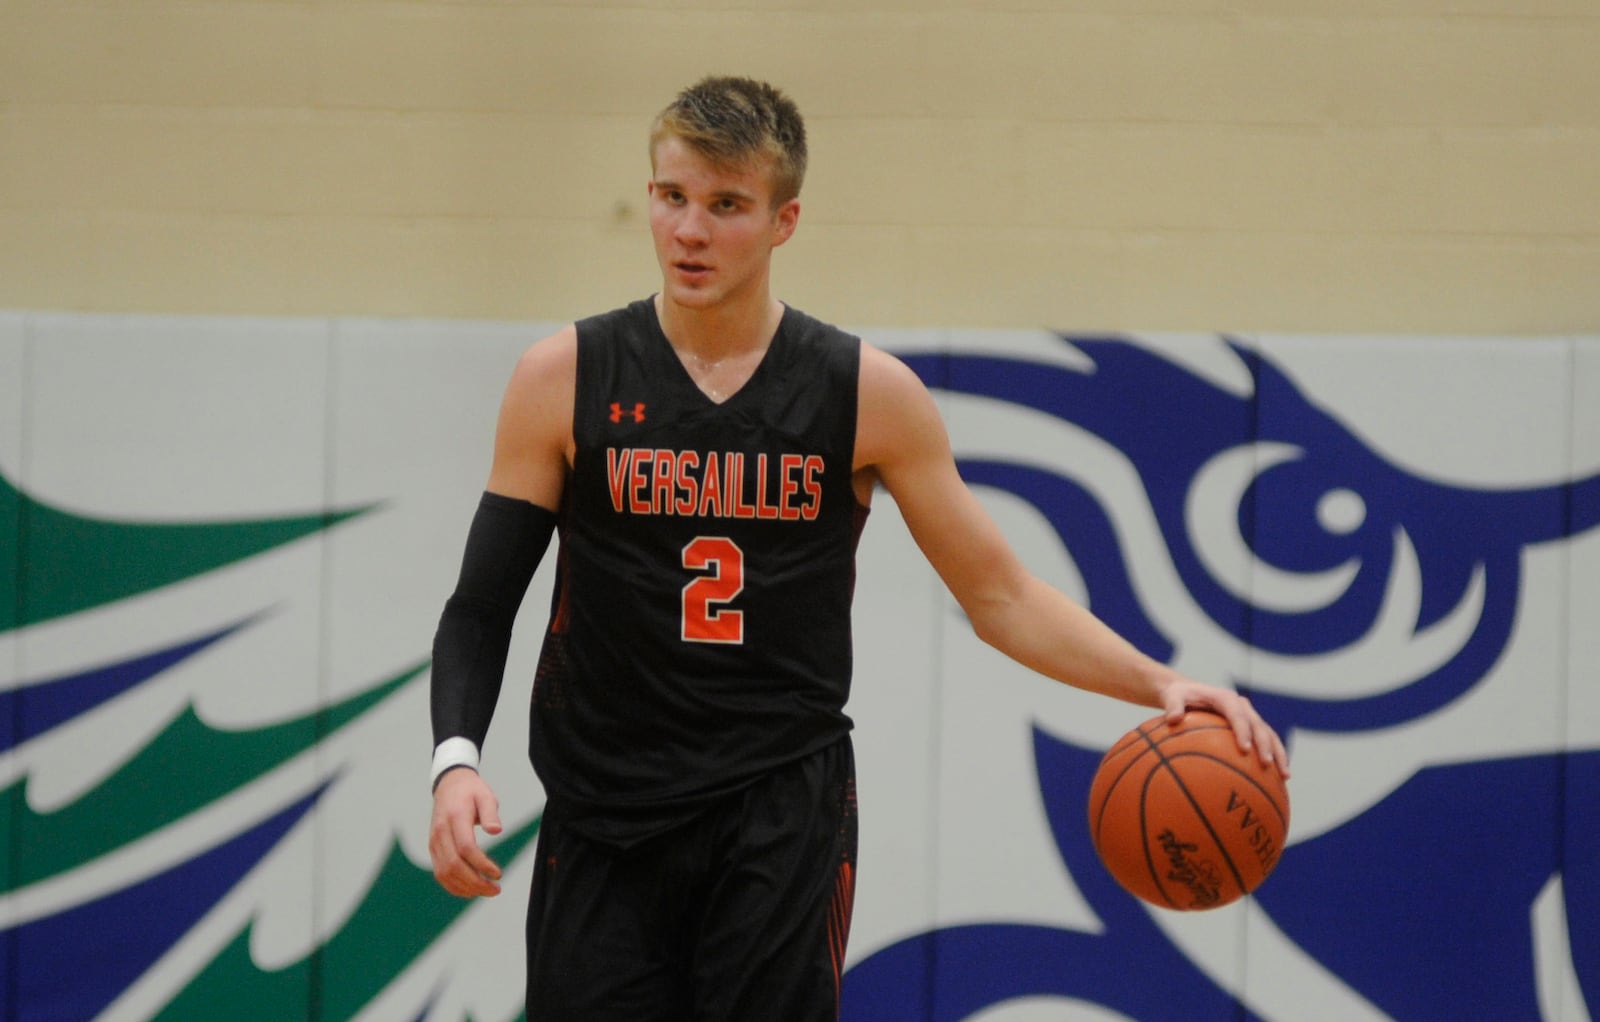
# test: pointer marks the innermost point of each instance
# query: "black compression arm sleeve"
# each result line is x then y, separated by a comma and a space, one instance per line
507, 540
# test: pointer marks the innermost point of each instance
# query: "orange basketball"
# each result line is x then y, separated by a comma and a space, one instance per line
1182, 818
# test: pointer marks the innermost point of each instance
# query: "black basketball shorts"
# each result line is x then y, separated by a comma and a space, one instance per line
742, 913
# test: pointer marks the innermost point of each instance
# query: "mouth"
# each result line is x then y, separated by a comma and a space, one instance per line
690, 268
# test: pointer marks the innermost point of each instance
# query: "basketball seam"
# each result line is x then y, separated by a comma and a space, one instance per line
1205, 821
1144, 833
1242, 774
1111, 787
1155, 737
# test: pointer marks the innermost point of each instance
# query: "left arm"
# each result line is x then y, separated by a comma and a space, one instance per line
901, 440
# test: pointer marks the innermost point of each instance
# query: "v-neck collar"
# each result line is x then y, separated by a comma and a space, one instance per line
670, 355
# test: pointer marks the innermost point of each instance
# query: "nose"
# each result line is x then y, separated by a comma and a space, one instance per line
693, 226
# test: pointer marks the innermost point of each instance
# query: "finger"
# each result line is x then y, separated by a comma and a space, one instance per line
474, 857
476, 885
459, 865
1268, 744
453, 875
1280, 755
464, 883
1176, 706
1244, 721
480, 865
458, 876
489, 814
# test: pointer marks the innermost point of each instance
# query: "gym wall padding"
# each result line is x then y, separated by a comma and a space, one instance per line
229, 540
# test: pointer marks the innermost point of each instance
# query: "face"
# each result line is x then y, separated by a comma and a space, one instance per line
714, 227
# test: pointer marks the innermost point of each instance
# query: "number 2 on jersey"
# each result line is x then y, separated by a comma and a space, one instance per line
706, 616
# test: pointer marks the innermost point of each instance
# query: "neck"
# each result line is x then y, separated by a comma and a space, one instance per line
720, 331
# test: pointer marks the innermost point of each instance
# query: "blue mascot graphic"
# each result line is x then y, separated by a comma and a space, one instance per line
1421, 903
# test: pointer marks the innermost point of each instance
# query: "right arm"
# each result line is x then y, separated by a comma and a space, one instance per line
508, 537
902, 442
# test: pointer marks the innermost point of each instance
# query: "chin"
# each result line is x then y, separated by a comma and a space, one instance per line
693, 297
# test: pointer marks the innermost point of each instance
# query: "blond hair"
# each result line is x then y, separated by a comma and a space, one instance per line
736, 122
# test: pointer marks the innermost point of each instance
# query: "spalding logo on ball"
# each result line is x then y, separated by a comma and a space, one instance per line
1183, 818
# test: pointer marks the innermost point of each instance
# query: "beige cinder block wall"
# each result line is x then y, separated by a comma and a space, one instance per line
1415, 166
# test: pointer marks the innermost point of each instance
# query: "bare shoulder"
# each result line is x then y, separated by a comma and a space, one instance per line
895, 414
533, 439
541, 385
549, 361
883, 375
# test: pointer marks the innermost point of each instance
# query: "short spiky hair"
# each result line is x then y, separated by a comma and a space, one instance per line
734, 121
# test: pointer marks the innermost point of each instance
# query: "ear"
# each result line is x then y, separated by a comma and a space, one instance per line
784, 222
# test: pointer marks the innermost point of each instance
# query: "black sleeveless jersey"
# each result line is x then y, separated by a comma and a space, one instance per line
700, 627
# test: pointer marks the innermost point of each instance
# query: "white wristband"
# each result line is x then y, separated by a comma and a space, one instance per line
453, 752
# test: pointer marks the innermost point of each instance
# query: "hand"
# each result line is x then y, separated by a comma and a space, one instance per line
1252, 732
461, 803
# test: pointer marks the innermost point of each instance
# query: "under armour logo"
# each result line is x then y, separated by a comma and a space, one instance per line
636, 412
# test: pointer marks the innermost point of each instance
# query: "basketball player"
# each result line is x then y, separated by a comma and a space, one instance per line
707, 456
